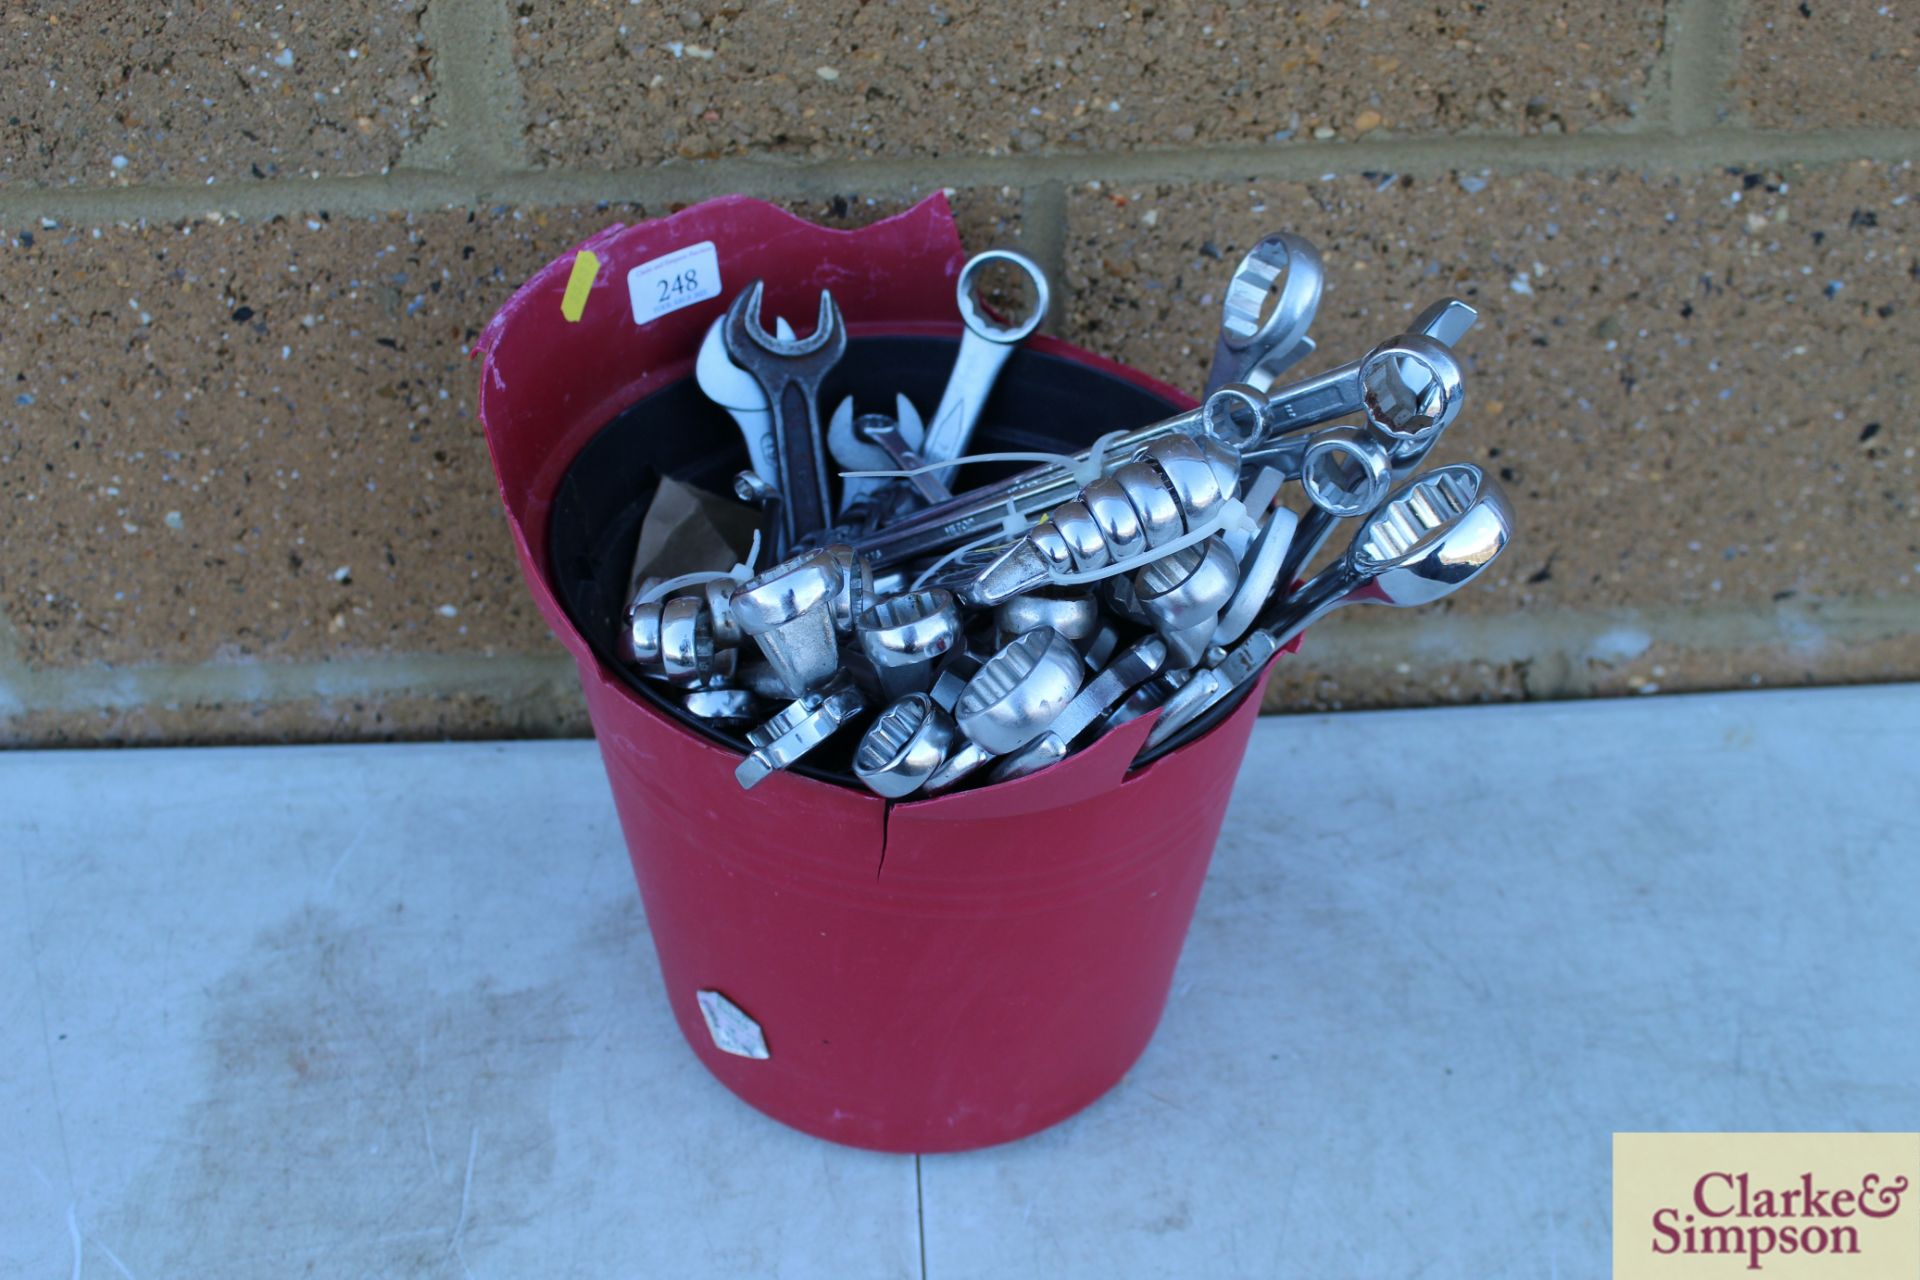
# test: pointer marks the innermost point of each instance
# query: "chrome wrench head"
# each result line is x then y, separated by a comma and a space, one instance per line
1183, 594
1437, 533
905, 638
1074, 613
1345, 472
726, 627
1018, 693
1231, 413
1253, 348
638, 640
1187, 587
855, 590
686, 640
756, 490
1156, 509
1110, 507
804, 724
1411, 387
1201, 473
1130, 668
789, 612
1408, 386
978, 319
903, 746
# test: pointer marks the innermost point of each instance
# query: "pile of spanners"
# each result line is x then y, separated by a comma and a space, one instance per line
987, 632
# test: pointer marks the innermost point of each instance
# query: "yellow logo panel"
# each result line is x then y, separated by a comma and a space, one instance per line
1766, 1206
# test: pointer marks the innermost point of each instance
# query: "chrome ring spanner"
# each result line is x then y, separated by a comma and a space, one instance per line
1256, 351
1348, 472
984, 348
1432, 537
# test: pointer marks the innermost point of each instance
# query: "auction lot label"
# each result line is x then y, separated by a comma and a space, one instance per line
1783, 1206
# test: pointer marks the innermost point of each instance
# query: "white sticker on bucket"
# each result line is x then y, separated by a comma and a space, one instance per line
732, 1030
679, 279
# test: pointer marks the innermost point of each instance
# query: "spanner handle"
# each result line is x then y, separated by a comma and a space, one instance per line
806, 506
975, 367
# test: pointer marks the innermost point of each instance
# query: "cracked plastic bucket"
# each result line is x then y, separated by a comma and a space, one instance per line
924, 976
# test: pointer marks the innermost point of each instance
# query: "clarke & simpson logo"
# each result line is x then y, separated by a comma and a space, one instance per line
1726, 1215
1783, 1205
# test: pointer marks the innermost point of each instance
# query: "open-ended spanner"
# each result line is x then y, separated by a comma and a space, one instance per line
790, 371
735, 390
885, 433
853, 444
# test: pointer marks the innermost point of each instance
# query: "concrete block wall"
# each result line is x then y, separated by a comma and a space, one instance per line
244, 248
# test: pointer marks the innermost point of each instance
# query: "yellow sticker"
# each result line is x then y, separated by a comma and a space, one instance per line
585, 268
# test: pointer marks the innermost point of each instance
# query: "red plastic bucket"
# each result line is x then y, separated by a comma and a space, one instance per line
926, 976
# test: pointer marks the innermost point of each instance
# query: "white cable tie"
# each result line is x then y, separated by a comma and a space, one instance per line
1013, 524
927, 573
667, 586
1062, 460
1086, 471
739, 573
